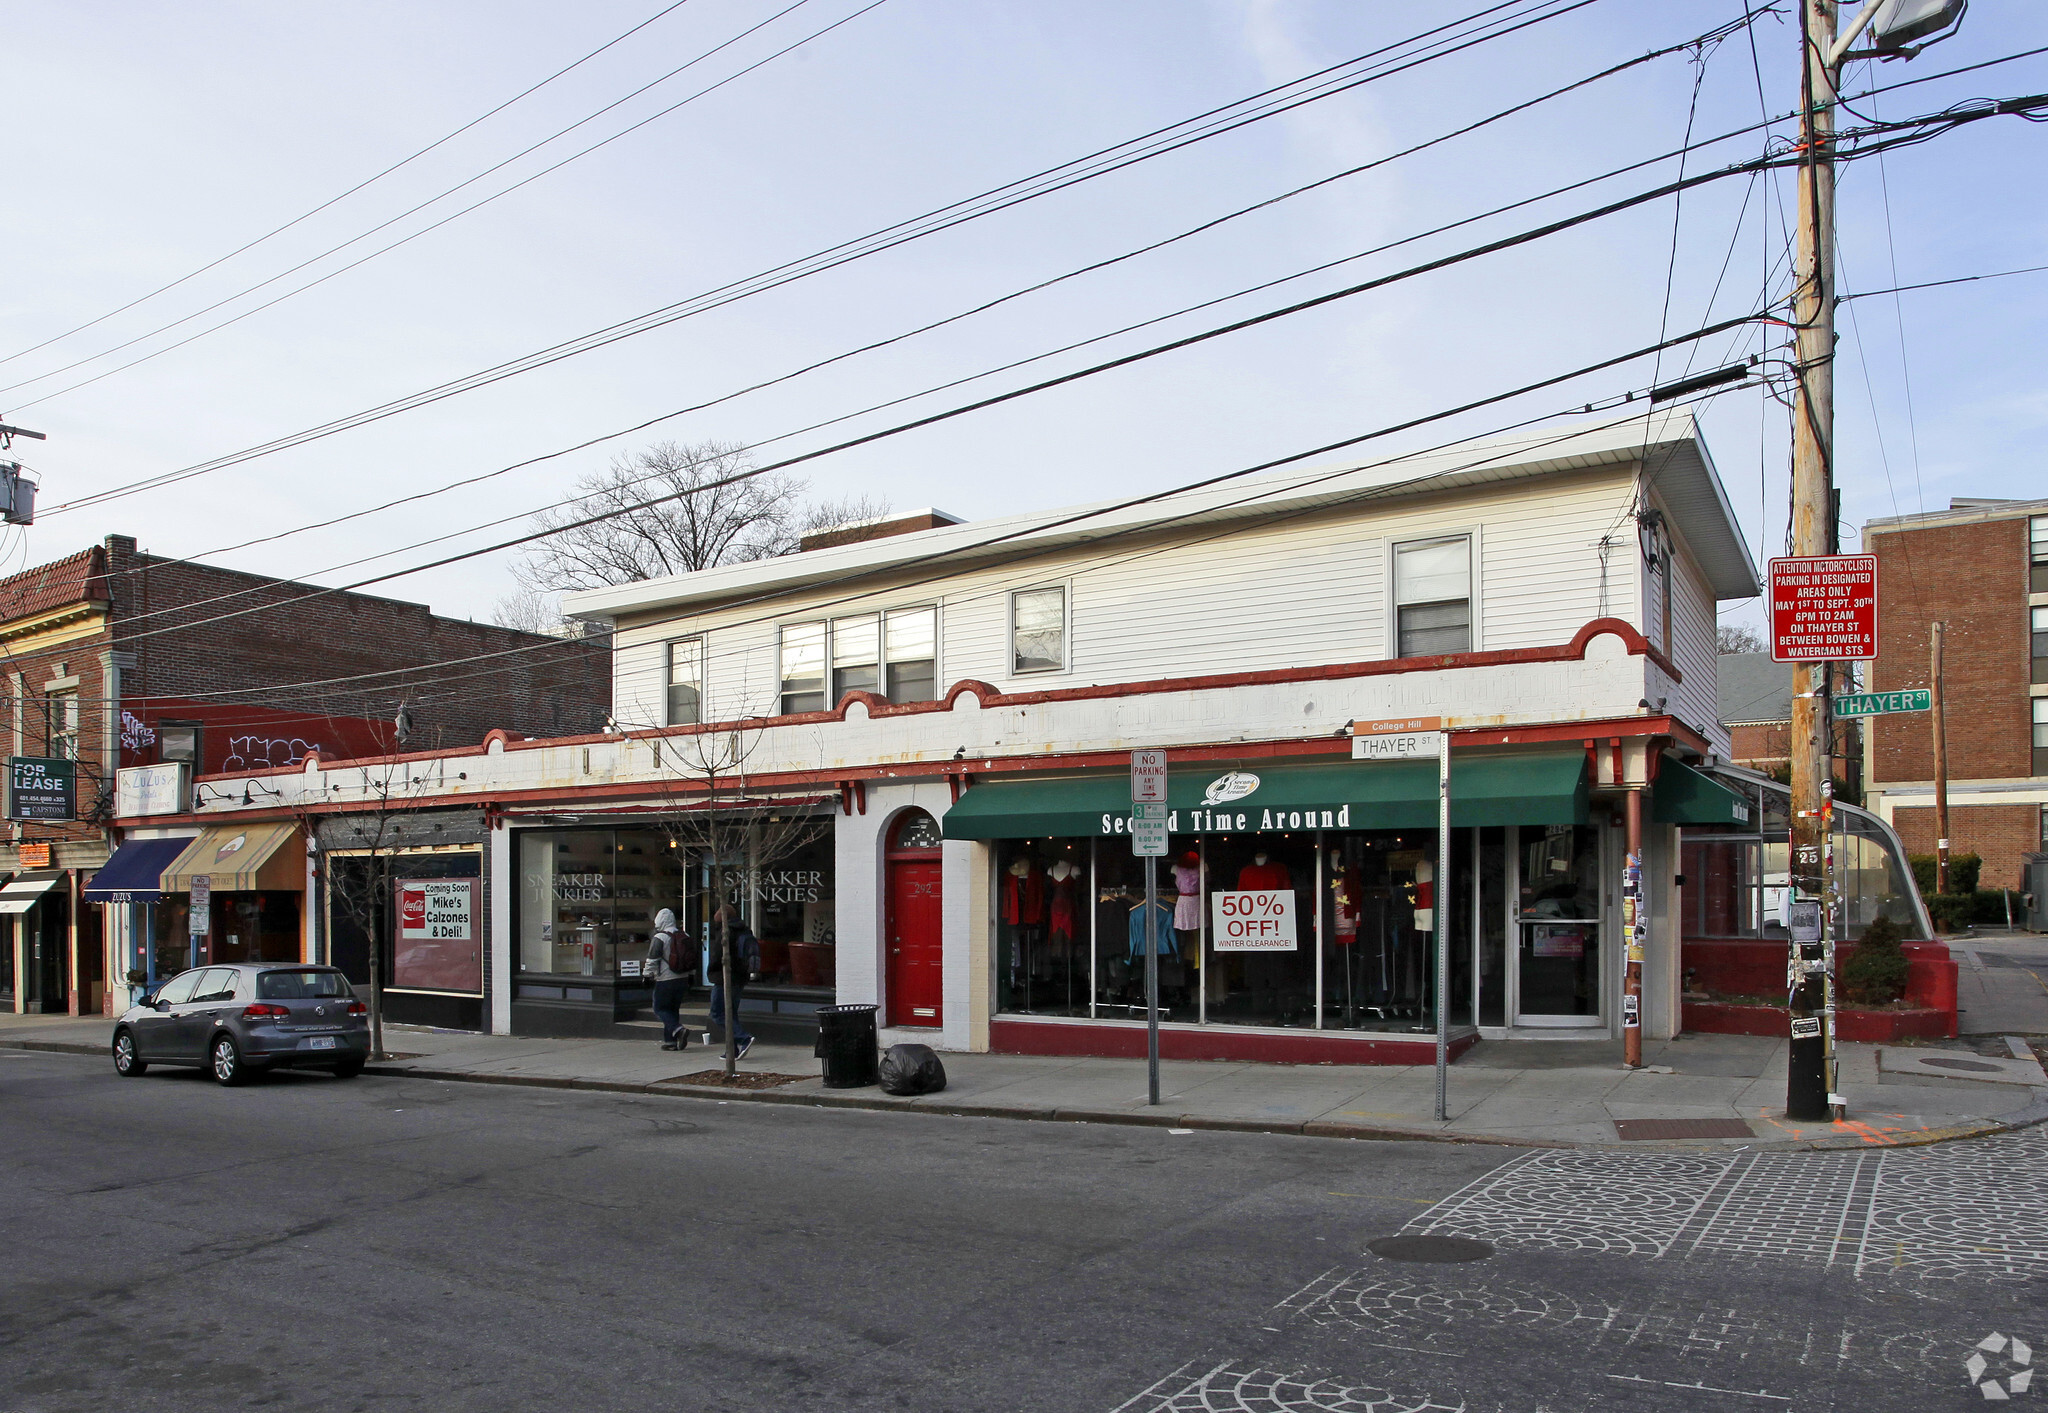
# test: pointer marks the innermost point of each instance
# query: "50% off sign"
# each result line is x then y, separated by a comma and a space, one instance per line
1252, 920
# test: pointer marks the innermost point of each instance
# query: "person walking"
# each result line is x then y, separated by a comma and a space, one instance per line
746, 964
670, 965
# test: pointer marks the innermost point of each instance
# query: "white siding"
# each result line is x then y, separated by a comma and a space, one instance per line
1302, 592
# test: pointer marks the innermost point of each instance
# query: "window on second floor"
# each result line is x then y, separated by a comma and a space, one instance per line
685, 687
2041, 643
2041, 735
1433, 597
1038, 630
894, 654
178, 740
60, 717
2037, 547
803, 667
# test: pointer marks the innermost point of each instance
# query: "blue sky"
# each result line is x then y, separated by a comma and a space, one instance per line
148, 140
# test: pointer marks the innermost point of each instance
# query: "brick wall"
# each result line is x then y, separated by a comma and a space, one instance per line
1999, 834
28, 680
523, 683
1973, 577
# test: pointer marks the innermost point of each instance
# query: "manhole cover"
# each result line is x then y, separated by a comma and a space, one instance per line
1640, 1130
1434, 1249
1978, 1065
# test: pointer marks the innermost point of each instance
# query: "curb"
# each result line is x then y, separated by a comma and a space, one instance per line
2033, 1115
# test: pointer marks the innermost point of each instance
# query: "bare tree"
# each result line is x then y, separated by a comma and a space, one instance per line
530, 610
704, 519
355, 857
714, 815
1738, 638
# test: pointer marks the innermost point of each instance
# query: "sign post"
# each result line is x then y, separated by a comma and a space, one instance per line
1148, 842
1416, 738
202, 906
1823, 610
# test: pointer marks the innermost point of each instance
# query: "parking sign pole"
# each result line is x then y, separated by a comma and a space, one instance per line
1148, 842
1441, 899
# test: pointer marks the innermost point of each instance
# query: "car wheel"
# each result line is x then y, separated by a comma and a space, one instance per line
348, 1069
227, 1061
126, 1063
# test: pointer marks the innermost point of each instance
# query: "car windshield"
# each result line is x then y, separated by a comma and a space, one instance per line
300, 985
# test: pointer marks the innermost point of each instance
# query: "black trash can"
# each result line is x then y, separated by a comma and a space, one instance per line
846, 1043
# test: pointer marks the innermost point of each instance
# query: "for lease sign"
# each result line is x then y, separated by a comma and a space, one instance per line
1824, 608
1252, 920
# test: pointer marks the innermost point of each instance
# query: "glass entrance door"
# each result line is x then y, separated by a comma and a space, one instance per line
1557, 926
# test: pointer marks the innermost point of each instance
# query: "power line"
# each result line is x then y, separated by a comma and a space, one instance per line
1215, 122
795, 270
1135, 500
1186, 341
1036, 287
434, 226
444, 139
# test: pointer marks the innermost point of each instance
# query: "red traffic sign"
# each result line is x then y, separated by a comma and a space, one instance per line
1148, 777
1824, 608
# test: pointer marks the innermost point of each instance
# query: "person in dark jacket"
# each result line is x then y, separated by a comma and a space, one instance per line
746, 965
669, 966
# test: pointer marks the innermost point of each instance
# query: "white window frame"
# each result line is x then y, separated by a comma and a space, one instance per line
938, 644
1066, 591
1391, 578
824, 625
880, 618
668, 677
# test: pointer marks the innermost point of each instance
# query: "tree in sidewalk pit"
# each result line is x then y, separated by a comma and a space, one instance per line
1738, 638
714, 818
1876, 973
704, 519
356, 855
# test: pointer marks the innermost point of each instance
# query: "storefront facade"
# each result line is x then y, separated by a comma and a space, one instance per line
949, 751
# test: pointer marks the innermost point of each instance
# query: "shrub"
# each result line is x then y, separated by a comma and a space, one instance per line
1962, 873
1951, 912
1990, 907
1876, 972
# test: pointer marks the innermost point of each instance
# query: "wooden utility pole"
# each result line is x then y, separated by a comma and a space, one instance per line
1939, 721
1809, 1082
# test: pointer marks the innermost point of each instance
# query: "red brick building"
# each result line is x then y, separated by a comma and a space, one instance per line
1980, 568
118, 658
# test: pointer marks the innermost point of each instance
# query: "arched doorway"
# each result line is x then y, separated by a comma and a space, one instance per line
915, 964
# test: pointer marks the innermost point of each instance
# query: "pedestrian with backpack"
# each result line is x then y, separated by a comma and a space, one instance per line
746, 965
669, 962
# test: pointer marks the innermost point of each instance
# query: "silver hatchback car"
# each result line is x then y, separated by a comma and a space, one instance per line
238, 1021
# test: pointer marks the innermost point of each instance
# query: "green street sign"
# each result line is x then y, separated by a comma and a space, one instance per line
1884, 703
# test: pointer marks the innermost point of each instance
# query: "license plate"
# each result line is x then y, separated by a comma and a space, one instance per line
320, 1042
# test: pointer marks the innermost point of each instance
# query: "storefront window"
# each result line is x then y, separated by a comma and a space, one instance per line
1560, 921
1043, 926
255, 927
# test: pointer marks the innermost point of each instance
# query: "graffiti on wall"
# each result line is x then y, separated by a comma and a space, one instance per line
265, 753
135, 732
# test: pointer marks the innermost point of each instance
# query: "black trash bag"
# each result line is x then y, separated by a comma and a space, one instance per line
912, 1069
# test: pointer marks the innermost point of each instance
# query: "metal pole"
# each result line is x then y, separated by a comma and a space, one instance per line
1938, 719
1806, 1089
1442, 906
1152, 980
1632, 906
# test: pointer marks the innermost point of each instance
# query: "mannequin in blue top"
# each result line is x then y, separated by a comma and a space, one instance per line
1163, 911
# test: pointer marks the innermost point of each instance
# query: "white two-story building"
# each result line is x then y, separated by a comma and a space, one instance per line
953, 710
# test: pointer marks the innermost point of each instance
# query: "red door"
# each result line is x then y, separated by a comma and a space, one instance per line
916, 979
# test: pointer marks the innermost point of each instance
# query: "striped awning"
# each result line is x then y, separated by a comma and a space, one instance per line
26, 890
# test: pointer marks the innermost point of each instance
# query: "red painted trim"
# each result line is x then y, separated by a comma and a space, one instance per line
988, 696
1125, 1041
1327, 749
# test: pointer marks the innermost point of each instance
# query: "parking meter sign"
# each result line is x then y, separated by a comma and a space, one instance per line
1148, 831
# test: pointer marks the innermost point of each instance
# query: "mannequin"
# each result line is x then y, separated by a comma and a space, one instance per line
1024, 894
1263, 874
1347, 890
1061, 932
1187, 887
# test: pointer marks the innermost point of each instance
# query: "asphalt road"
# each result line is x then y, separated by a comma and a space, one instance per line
407, 1244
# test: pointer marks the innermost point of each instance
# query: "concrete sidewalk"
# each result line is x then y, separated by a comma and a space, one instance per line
1539, 1093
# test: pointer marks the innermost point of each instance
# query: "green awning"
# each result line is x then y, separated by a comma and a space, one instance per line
1547, 787
1682, 795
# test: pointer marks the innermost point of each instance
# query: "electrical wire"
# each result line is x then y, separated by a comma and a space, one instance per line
1051, 179
669, 313
433, 226
441, 141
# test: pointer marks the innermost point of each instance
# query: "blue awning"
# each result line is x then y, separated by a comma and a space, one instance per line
135, 870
